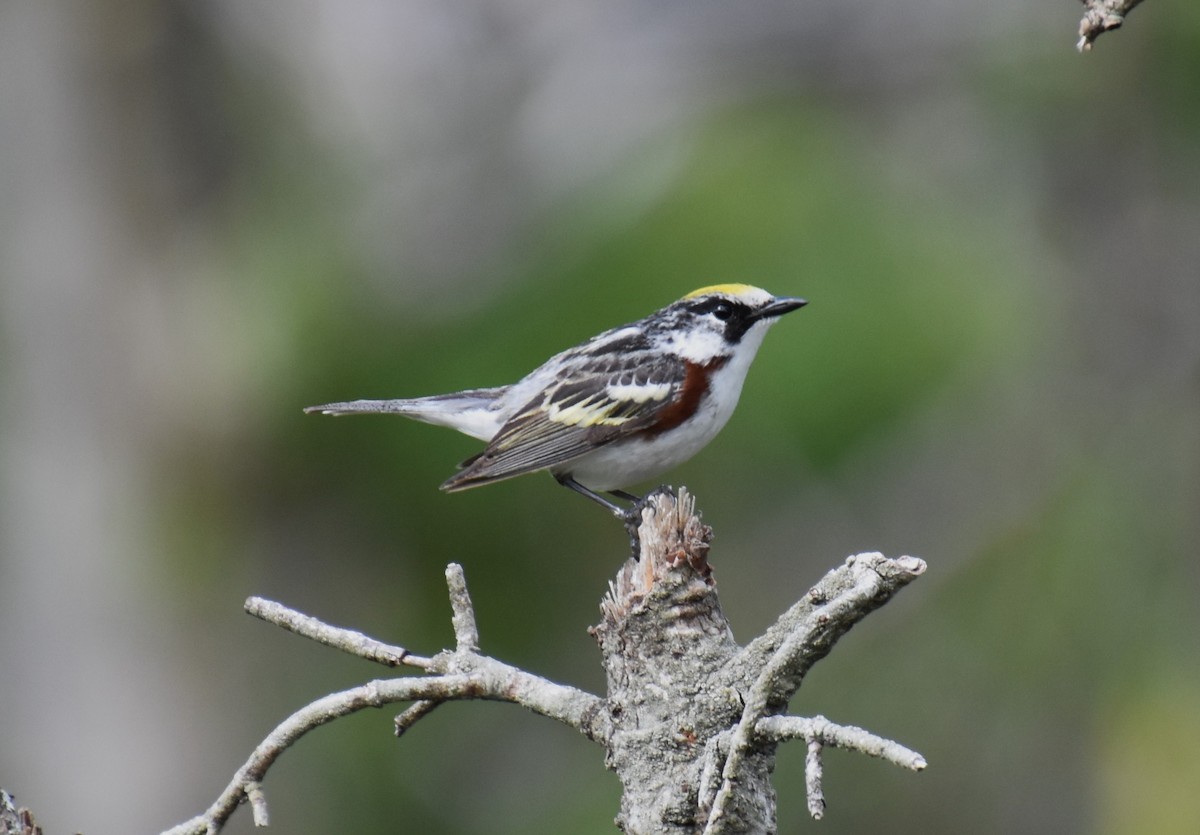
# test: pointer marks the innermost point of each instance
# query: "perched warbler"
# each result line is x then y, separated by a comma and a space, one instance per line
618, 409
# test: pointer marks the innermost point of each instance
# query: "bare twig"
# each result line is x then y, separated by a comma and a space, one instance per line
466, 633
818, 732
414, 714
1099, 16
843, 598
690, 720
16, 821
813, 772
710, 771
323, 710
258, 803
460, 674
820, 729
347, 640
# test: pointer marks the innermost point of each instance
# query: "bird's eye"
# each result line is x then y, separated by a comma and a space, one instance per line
722, 310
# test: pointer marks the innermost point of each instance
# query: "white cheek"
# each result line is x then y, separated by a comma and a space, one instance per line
698, 345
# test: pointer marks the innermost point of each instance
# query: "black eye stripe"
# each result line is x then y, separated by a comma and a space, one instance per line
723, 309
714, 305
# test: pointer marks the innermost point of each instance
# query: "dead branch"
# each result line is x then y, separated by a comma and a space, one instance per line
691, 721
1099, 16
454, 675
14, 820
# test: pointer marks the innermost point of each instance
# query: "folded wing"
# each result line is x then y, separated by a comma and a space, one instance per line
592, 404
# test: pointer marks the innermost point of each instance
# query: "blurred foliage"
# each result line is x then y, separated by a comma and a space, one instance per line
997, 370
1006, 665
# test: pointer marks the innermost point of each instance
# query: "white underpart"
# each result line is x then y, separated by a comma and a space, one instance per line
625, 463
478, 423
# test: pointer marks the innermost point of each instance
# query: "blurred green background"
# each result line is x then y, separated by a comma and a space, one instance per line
216, 214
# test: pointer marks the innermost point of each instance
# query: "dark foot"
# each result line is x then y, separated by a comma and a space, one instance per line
633, 518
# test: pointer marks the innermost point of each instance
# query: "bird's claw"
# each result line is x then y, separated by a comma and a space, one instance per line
632, 517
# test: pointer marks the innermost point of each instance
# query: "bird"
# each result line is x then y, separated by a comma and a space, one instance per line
620, 408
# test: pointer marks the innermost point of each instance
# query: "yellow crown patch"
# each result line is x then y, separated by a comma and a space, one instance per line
727, 289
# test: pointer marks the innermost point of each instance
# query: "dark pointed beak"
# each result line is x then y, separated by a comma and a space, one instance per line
778, 308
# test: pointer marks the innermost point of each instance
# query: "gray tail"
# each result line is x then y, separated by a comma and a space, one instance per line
475, 412
354, 407
458, 401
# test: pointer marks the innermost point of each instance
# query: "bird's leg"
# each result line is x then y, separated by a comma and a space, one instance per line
631, 517
567, 481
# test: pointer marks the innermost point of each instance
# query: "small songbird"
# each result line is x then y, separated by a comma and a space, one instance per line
616, 410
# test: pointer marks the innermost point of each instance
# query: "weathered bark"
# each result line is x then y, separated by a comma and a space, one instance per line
685, 700
666, 644
1100, 16
691, 721
14, 820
